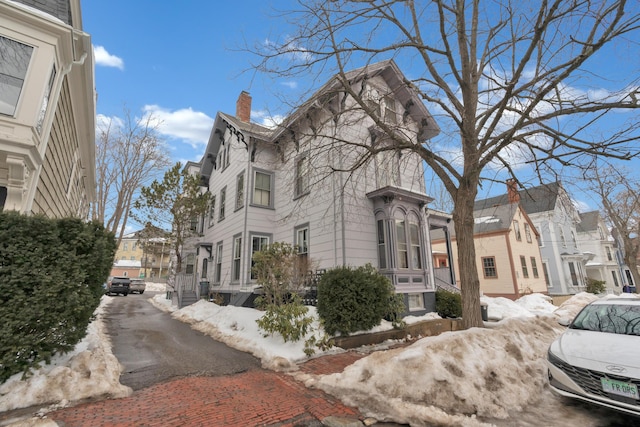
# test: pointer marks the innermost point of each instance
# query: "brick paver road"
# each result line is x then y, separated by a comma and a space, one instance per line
253, 398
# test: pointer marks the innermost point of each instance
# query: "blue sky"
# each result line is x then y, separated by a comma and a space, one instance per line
179, 60
182, 62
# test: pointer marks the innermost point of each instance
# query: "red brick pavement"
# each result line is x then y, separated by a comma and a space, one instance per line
253, 398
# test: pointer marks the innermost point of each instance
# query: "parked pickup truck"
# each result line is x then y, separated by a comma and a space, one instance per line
118, 285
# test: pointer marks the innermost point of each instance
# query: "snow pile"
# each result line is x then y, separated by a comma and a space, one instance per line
90, 370
237, 327
450, 378
437, 380
478, 371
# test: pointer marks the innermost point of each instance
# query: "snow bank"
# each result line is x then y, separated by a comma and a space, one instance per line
90, 370
478, 371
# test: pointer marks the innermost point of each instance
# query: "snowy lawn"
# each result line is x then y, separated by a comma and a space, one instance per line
440, 380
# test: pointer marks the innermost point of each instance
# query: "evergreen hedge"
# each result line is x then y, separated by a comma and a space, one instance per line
51, 276
356, 299
448, 304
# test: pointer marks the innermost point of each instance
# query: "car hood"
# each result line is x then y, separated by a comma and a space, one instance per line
599, 351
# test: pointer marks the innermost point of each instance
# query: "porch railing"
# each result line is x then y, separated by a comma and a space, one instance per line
185, 283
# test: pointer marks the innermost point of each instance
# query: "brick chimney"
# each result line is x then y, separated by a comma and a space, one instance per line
512, 191
243, 107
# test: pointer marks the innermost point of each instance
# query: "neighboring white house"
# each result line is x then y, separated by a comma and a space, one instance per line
47, 109
594, 237
285, 184
550, 209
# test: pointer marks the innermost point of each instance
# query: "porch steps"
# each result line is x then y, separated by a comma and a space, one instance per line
188, 298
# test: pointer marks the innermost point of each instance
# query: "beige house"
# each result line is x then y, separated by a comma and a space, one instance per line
47, 109
141, 257
507, 252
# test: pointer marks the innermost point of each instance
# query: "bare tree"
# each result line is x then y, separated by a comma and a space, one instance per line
129, 154
501, 76
618, 194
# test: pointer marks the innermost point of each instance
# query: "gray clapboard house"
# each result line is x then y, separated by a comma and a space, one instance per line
285, 184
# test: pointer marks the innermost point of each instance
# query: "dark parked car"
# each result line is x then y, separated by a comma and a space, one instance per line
118, 285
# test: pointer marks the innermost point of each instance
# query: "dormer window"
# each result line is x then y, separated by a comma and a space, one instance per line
13, 69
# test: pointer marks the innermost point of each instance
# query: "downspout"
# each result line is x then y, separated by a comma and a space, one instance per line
343, 231
245, 196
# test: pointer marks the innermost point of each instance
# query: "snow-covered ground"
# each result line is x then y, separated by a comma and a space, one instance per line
491, 371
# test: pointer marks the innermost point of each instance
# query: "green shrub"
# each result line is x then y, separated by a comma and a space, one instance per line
596, 286
448, 304
289, 320
51, 276
356, 299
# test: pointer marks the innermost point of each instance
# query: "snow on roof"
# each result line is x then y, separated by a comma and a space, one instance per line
126, 263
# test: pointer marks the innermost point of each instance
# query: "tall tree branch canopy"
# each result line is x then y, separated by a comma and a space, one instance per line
511, 84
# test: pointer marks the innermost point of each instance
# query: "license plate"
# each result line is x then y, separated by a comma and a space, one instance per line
620, 388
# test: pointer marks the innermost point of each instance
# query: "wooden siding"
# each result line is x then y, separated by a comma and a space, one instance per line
58, 192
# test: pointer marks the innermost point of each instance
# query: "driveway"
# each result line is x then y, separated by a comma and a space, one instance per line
153, 347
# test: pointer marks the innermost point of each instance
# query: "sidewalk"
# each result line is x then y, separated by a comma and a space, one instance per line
253, 398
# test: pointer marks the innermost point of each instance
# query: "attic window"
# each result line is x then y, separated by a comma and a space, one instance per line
382, 106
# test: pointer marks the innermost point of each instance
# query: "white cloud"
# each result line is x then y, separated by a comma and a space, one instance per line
266, 119
289, 49
193, 127
104, 58
290, 84
581, 206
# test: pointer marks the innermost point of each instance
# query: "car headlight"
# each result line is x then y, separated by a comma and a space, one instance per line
553, 359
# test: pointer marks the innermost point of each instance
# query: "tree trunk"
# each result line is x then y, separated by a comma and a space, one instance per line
469, 280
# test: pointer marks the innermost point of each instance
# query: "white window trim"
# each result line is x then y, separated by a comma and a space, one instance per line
271, 189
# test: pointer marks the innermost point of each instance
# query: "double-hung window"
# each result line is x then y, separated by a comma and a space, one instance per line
416, 255
302, 242
258, 243
240, 191
401, 235
534, 267
527, 232
218, 273
489, 267
516, 229
237, 257
525, 270
382, 249
302, 175
13, 70
263, 189
212, 210
223, 197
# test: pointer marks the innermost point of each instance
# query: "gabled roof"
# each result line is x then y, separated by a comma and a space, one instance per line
542, 198
386, 69
588, 222
493, 219
489, 220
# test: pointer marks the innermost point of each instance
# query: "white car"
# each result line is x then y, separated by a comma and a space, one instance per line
597, 359
137, 285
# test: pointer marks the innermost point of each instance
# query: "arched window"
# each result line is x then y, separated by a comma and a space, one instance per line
408, 240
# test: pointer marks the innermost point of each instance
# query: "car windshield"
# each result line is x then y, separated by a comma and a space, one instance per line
613, 318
